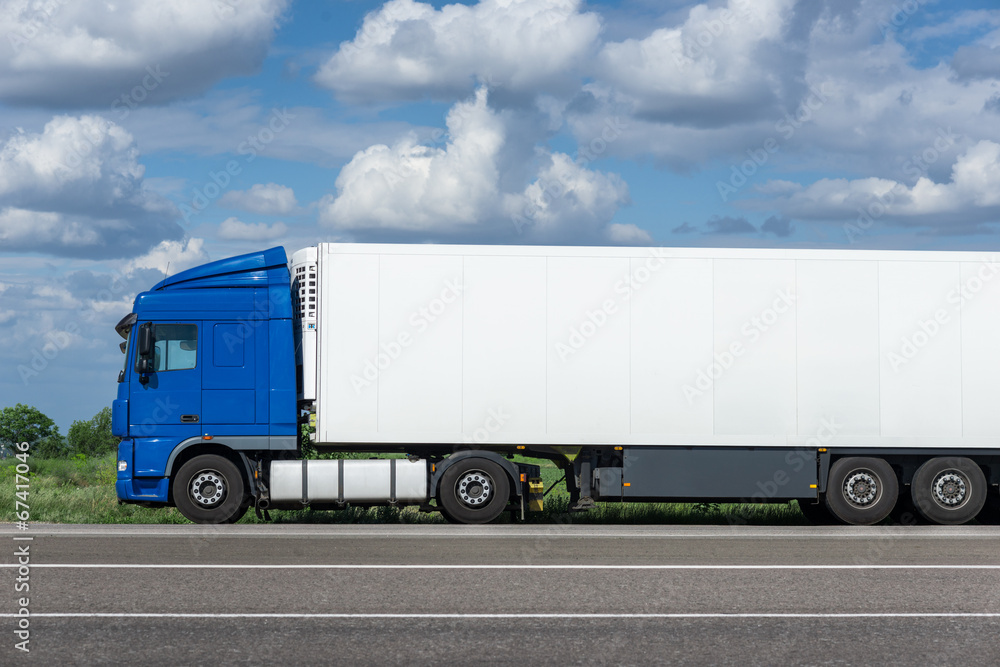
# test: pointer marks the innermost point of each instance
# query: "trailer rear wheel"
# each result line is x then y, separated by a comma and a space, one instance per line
474, 490
949, 491
861, 491
210, 489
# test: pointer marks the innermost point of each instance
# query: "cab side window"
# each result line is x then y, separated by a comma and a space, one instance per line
175, 346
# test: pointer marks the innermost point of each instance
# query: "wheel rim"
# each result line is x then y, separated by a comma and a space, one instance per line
862, 488
208, 488
950, 489
474, 488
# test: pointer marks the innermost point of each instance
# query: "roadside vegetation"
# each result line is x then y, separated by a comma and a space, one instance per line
72, 480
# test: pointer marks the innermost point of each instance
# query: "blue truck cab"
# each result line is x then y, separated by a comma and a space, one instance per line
208, 385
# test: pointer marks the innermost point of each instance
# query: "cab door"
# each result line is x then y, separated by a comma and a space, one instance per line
228, 375
165, 394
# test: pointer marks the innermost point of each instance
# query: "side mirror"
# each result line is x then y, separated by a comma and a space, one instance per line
144, 352
145, 342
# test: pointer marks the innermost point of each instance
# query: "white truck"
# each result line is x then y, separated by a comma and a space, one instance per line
851, 381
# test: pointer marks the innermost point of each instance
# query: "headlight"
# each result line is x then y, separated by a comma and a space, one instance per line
122, 466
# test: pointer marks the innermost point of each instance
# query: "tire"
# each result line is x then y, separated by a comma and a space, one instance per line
210, 489
861, 491
474, 490
949, 491
816, 513
447, 517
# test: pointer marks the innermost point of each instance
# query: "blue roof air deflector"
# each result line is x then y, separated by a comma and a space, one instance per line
256, 269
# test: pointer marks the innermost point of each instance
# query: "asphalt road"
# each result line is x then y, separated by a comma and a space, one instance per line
399, 594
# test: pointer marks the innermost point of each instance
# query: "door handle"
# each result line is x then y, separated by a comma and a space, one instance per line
189, 419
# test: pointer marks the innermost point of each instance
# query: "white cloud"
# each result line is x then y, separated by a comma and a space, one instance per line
817, 78
408, 50
568, 202
705, 72
456, 191
90, 158
77, 188
269, 199
89, 52
170, 257
234, 230
628, 234
971, 196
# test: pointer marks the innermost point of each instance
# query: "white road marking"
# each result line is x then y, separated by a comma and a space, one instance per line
512, 616
346, 566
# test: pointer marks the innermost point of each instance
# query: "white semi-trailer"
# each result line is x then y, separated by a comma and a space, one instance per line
847, 380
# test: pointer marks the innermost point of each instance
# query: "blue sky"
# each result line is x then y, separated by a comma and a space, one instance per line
159, 135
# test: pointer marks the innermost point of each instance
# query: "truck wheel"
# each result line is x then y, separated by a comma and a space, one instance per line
861, 491
473, 490
949, 491
210, 489
816, 513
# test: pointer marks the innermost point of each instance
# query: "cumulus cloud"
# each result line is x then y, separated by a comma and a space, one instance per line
457, 191
232, 229
170, 257
705, 72
819, 79
409, 50
972, 195
269, 199
66, 53
76, 189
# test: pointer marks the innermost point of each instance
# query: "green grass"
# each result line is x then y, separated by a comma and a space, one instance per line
82, 491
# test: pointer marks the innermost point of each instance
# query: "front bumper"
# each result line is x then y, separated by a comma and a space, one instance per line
138, 489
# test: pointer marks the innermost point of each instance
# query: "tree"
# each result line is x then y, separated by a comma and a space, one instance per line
92, 437
51, 447
23, 423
